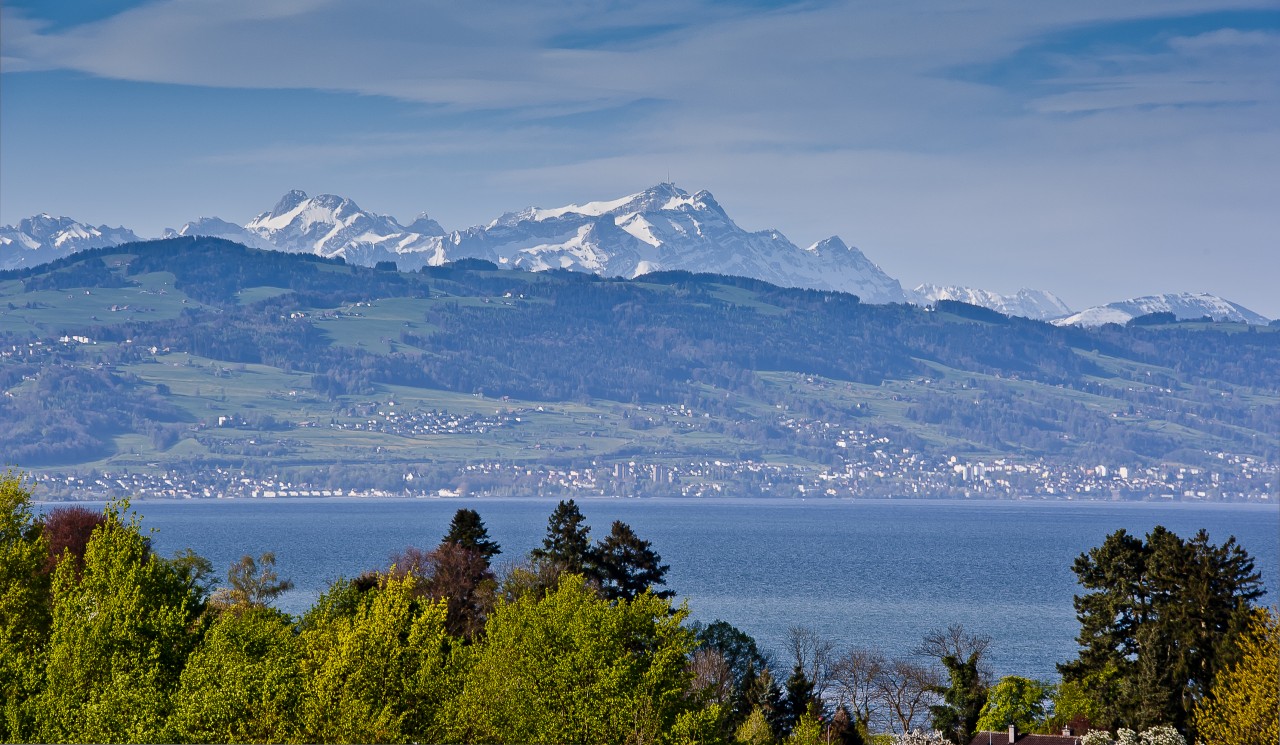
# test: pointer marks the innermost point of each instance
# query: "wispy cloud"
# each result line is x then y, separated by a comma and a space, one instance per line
1018, 133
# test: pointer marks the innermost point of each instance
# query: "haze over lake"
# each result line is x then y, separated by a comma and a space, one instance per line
872, 573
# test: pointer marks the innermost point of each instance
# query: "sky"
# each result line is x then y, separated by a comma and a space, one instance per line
1097, 149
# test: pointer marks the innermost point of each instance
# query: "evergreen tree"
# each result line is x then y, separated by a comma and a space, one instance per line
962, 700
963, 655
800, 701
567, 546
467, 530
763, 693
627, 566
1160, 619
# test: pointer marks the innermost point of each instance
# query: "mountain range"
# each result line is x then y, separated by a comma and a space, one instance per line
660, 228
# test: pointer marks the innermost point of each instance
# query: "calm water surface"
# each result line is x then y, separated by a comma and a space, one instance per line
872, 573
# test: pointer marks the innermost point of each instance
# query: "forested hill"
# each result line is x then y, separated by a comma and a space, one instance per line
174, 353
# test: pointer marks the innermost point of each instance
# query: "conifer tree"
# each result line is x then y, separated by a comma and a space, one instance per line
799, 702
468, 531
627, 566
567, 546
1159, 620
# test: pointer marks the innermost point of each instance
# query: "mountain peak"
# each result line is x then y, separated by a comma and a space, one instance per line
833, 243
1184, 305
1040, 305
289, 202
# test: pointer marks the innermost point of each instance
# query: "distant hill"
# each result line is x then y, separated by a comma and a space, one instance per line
197, 354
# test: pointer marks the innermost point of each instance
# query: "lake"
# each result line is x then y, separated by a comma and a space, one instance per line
877, 573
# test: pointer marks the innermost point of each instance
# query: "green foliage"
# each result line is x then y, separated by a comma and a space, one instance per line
242, 684
1243, 707
807, 731
1161, 617
120, 635
743, 658
575, 668
799, 703
24, 607
755, 730
1018, 701
380, 674
253, 584
1076, 701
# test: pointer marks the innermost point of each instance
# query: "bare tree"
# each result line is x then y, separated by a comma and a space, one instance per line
957, 643
854, 674
459, 575
712, 676
813, 654
905, 690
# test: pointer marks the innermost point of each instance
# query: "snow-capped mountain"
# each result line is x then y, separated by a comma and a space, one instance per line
215, 227
660, 228
1185, 306
1040, 305
330, 225
43, 238
663, 228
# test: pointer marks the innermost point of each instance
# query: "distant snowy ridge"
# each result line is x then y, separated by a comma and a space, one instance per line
1184, 306
660, 228
1040, 305
43, 238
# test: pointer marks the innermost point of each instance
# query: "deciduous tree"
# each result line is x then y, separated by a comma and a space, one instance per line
121, 632
24, 608
1015, 700
1243, 706
575, 668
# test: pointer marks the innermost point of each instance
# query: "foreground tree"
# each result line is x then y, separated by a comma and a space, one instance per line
24, 608
963, 656
67, 530
380, 672
122, 629
575, 668
1243, 706
253, 583
567, 546
855, 673
467, 530
1018, 701
242, 684
457, 576
743, 661
904, 691
1159, 620
627, 566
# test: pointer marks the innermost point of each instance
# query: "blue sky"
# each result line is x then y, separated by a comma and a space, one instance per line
1100, 150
